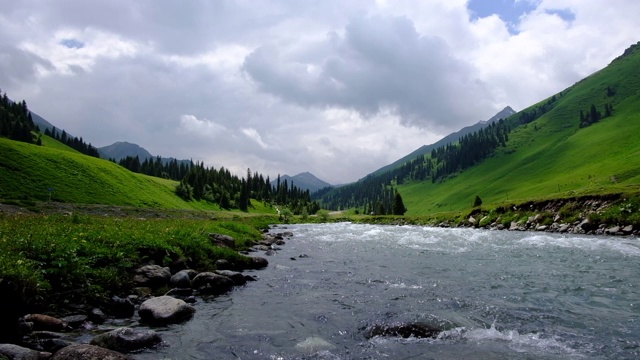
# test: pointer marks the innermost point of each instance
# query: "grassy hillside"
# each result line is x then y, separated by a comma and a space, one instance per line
552, 157
27, 172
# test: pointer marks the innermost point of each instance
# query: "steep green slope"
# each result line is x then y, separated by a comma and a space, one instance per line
27, 172
552, 156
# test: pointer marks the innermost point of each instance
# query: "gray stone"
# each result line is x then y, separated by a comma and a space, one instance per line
612, 230
238, 278
181, 279
542, 228
564, 228
75, 321
126, 339
15, 352
153, 276
121, 308
87, 352
627, 229
97, 316
163, 310
258, 263
222, 240
222, 264
212, 283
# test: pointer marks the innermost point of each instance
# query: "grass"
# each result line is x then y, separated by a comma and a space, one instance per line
77, 258
28, 172
552, 157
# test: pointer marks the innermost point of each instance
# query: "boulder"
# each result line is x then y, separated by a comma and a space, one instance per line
164, 310
627, 229
542, 228
97, 316
87, 352
46, 322
222, 264
222, 240
258, 263
75, 321
612, 230
181, 279
586, 225
53, 345
564, 228
212, 283
15, 352
238, 278
126, 339
121, 308
153, 276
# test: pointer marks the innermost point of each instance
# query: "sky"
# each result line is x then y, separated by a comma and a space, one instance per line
337, 88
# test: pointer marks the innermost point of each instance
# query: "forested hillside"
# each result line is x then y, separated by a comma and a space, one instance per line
579, 141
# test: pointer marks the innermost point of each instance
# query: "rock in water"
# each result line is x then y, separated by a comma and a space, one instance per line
164, 310
87, 352
126, 339
212, 283
181, 279
46, 322
11, 351
313, 344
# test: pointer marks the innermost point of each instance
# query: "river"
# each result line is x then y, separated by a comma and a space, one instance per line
496, 294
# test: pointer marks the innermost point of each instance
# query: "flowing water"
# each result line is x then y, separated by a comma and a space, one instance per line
496, 295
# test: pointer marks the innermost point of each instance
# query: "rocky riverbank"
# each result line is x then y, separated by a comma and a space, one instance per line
161, 296
590, 215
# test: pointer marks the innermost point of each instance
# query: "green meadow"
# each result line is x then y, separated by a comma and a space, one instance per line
79, 258
552, 157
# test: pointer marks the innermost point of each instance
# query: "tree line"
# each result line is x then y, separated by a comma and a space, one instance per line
172, 169
229, 191
16, 122
74, 142
376, 193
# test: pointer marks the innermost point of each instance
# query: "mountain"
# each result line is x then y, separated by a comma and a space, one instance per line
580, 142
41, 122
122, 149
451, 138
305, 180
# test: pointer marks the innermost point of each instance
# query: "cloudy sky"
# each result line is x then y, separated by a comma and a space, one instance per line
338, 88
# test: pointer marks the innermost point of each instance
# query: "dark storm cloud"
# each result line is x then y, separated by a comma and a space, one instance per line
380, 63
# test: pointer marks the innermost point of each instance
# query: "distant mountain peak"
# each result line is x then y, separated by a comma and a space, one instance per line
304, 180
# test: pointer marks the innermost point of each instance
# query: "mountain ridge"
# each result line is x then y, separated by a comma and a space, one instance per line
304, 180
451, 138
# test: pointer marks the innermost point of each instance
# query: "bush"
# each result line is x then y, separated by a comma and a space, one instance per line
323, 215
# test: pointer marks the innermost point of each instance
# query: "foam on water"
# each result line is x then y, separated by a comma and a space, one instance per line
520, 342
630, 247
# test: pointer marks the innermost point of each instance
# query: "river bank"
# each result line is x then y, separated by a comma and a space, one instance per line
107, 261
612, 214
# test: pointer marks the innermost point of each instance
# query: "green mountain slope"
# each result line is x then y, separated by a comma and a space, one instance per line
451, 138
27, 172
552, 157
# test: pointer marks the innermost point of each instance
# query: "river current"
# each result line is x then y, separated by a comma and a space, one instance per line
495, 294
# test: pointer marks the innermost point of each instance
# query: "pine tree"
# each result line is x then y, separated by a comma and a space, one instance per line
398, 205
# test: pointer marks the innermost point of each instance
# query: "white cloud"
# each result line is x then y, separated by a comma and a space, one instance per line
253, 135
338, 88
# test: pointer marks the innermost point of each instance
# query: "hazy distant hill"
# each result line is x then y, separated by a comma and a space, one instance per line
304, 180
122, 149
453, 137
